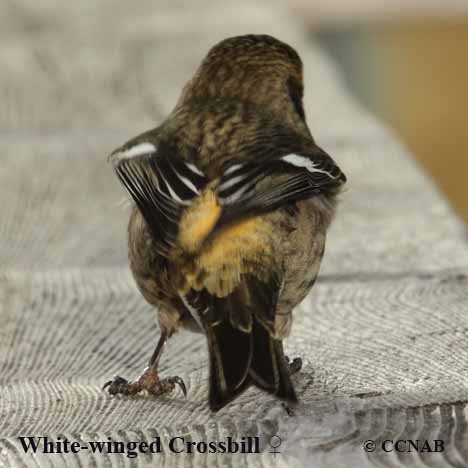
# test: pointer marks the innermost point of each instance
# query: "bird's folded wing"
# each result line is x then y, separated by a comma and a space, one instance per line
261, 186
162, 188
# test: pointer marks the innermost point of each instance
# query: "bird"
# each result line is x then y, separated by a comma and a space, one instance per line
232, 198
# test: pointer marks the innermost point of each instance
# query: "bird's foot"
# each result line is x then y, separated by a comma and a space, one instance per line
148, 381
295, 365
289, 409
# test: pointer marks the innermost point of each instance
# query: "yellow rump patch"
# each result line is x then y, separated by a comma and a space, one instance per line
198, 221
235, 250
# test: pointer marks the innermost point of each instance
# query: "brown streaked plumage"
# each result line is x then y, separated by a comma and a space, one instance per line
233, 199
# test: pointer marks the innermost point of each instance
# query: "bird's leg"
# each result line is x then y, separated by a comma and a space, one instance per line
149, 380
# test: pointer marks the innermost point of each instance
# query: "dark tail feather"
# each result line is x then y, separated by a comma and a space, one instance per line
230, 352
269, 369
239, 359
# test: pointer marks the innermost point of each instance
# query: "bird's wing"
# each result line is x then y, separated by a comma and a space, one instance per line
242, 346
162, 188
255, 187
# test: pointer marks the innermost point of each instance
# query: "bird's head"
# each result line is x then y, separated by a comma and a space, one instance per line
255, 68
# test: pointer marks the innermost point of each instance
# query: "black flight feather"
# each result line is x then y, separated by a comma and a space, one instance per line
161, 188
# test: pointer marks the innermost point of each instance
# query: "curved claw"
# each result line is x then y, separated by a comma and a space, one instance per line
177, 380
295, 365
116, 380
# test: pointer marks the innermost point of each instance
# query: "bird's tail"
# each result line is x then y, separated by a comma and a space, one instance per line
242, 356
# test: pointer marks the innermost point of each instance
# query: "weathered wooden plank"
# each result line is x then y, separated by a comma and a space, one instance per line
65, 332
373, 350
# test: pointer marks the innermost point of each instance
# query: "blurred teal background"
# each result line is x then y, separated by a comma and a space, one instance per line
412, 71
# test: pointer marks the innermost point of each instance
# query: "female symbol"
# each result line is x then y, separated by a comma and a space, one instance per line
275, 442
